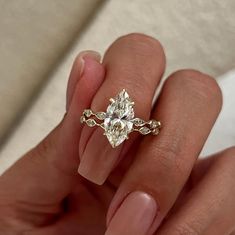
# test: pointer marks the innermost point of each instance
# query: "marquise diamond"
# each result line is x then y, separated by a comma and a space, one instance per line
117, 123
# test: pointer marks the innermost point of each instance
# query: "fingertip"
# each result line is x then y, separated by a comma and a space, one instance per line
87, 174
91, 79
84, 91
93, 73
78, 70
90, 54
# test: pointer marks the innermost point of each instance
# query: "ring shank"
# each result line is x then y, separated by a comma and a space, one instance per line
143, 127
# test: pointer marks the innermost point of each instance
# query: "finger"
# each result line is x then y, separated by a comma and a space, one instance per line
76, 73
209, 208
77, 219
187, 107
48, 172
134, 62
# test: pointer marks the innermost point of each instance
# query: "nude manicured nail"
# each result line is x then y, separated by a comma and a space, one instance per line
135, 215
91, 54
96, 162
88, 54
78, 69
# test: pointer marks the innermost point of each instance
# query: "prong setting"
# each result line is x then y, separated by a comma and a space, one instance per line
111, 100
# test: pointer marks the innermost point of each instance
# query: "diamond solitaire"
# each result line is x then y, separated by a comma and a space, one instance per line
119, 121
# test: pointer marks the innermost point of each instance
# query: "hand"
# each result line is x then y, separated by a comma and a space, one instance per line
155, 184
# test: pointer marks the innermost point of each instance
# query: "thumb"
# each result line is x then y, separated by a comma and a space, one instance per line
47, 173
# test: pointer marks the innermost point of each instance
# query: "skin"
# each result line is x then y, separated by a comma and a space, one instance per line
42, 193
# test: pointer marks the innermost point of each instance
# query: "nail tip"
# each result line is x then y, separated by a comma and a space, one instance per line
90, 54
84, 173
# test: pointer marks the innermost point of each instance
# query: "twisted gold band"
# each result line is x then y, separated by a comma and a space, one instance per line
143, 127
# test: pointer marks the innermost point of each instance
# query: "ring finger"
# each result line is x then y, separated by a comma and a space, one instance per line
136, 63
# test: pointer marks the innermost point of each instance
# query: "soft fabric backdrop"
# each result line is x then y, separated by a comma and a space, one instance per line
197, 34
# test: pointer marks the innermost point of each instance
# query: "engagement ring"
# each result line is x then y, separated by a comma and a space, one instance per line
119, 121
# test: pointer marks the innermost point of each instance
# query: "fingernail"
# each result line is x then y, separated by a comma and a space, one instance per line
77, 71
135, 215
97, 162
87, 54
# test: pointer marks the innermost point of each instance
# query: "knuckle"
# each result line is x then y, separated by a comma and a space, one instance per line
41, 151
187, 229
201, 84
167, 151
166, 157
139, 37
143, 43
45, 148
138, 57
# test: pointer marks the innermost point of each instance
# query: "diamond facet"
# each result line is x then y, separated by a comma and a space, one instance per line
144, 130
100, 115
154, 124
138, 122
118, 122
91, 122
87, 112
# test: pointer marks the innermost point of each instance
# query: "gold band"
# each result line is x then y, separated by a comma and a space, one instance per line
143, 127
